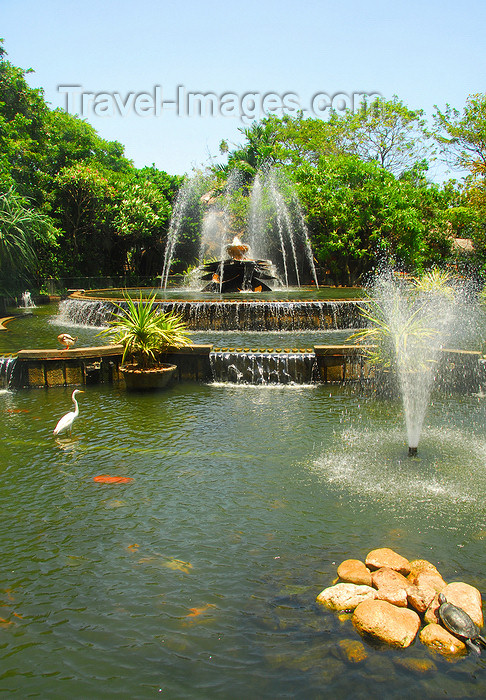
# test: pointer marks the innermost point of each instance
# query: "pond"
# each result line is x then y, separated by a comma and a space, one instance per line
198, 579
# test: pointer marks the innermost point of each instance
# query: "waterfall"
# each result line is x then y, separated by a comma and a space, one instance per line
230, 315
7, 365
263, 367
84, 312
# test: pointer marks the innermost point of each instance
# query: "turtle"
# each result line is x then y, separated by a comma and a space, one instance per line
458, 622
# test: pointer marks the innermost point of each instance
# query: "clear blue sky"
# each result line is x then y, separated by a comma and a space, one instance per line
425, 51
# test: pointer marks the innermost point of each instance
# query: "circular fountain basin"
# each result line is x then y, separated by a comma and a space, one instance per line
178, 293
292, 310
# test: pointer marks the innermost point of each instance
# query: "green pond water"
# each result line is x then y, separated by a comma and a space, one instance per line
198, 579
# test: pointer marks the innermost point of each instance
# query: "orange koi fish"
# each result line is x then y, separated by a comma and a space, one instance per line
194, 612
107, 479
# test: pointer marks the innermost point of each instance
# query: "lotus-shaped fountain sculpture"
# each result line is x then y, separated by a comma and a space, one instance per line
237, 250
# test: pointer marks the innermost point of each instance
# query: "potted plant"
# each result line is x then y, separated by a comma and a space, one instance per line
146, 335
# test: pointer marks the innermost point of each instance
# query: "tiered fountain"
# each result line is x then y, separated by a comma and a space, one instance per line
253, 274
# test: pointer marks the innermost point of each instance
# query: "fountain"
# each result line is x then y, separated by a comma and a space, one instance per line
26, 301
275, 229
410, 323
238, 273
251, 243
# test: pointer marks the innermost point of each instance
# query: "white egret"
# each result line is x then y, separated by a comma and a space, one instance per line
66, 340
66, 422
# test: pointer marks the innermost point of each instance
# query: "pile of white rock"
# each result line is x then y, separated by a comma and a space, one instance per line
392, 599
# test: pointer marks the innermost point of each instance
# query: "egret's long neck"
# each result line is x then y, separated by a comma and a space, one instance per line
76, 407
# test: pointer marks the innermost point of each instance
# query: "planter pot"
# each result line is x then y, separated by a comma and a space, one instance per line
137, 379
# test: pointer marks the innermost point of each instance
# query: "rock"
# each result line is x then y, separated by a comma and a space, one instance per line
431, 616
385, 557
461, 594
438, 638
420, 597
390, 578
419, 565
353, 650
392, 586
416, 665
429, 579
395, 596
354, 571
395, 626
345, 596
466, 597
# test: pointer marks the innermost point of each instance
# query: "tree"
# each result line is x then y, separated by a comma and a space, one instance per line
257, 152
22, 127
464, 137
388, 133
359, 214
21, 227
81, 198
140, 217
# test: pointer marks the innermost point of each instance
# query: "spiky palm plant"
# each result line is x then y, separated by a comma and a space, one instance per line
145, 332
394, 337
435, 281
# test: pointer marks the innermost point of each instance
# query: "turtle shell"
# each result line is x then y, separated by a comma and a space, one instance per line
457, 620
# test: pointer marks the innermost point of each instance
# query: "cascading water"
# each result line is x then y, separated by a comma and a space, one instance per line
7, 365
85, 312
229, 315
263, 368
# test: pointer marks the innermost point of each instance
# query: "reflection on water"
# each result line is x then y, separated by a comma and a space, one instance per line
198, 578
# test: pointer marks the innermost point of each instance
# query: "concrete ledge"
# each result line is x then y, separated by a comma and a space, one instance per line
95, 365
4, 321
72, 353
461, 371
338, 350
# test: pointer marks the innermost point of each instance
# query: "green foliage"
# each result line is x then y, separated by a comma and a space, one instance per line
385, 132
403, 319
111, 217
21, 227
436, 282
388, 133
256, 153
389, 336
359, 214
464, 137
145, 332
